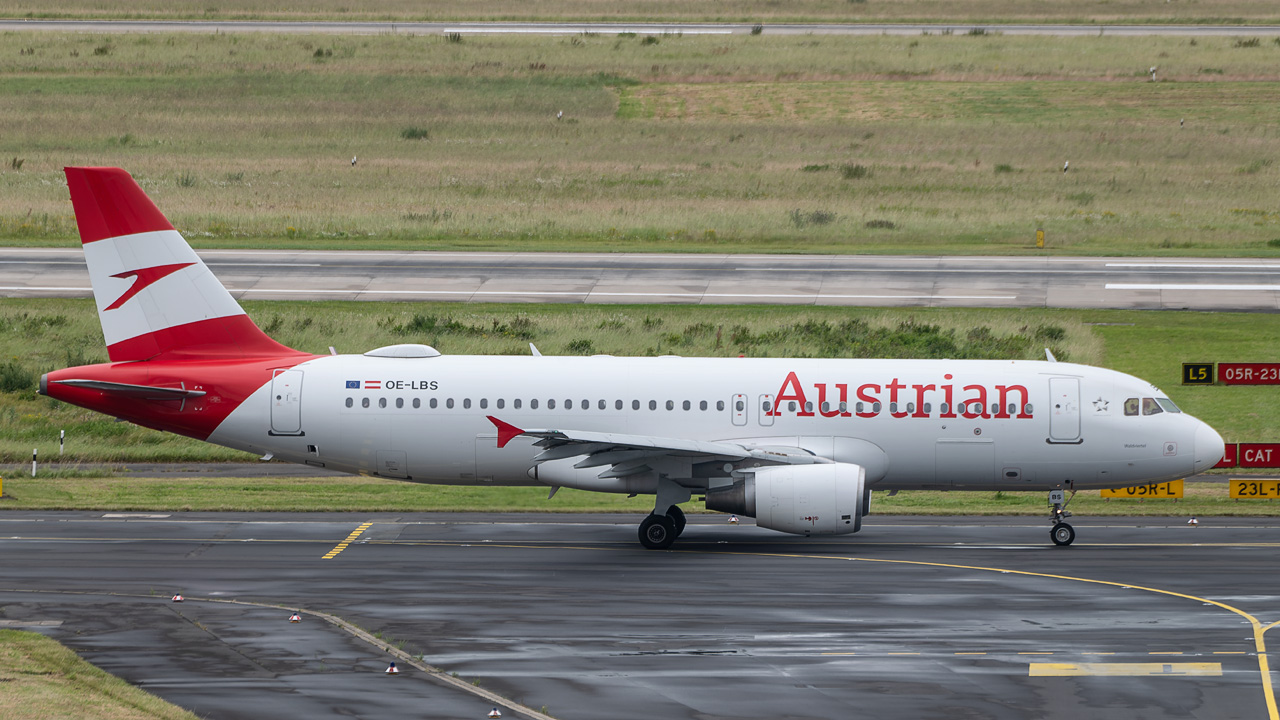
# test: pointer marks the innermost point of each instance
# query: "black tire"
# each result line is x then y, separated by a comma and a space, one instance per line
1063, 534
657, 532
677, 516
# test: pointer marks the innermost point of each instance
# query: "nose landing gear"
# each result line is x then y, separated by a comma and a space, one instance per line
1061, 533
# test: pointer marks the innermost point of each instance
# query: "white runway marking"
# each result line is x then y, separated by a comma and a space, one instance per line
1168, 286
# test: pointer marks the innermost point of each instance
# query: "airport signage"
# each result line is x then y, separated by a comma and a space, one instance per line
1255, 489
1259, 455
1228, 457
1197, 373
1171, 490
1246, 373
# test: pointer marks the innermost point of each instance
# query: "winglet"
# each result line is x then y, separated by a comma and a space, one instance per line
506, 431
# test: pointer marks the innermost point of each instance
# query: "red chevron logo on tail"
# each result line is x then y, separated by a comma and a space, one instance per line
142, 278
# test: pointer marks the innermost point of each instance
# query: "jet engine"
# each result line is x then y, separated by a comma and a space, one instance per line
828, 499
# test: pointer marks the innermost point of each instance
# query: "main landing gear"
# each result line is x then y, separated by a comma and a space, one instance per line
1062, 533
657, 532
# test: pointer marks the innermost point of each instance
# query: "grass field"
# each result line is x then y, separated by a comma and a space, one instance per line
360, 494
43, 680
1111, 11
928, 144
40, 335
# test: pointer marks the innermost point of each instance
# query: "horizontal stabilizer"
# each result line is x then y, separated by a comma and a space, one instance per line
137, 392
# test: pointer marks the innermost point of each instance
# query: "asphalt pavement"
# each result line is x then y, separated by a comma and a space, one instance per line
912, 617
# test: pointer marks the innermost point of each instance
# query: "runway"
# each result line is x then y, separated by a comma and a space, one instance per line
865, 280
913, 617
613, 28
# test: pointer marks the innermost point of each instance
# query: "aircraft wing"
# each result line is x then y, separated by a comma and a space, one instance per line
627, 454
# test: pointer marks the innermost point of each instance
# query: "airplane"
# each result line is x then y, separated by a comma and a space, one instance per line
798, 444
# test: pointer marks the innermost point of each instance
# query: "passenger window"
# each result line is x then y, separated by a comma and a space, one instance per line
635, 404
844, 407
911, 407
995, 408
808, 407
720, 405
484, 403
617, 404
382, 402
1027, 408
893, 407
1131, 406
858, 407
740, 406
434, 402
1150, 406
399, 402
791, 406
767, 406
364, 402
533, 404
702, 405
417, 403
944, 408
686, 405
449, 403
551, 404
601, 405
1012, 408
875, 407
466, 403
927, 408
586, 404
350, 402
671, 405
500, 403
653, 404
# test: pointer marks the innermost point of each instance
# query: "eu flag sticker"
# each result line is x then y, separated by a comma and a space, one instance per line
353, 384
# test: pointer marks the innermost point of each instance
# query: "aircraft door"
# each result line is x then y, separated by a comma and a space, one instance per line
738, 409
1064, 409
286, 403
766, 406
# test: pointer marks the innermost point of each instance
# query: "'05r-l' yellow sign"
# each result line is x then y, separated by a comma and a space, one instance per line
1171, 490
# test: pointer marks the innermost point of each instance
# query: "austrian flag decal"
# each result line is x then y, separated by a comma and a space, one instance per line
372, 384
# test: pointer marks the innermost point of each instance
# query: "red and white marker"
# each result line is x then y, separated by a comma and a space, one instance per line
733, 519
295, 618
1193, 521
177, 598
392, 669
495, 714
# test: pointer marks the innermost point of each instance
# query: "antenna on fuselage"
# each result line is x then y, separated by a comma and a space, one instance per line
1048, 355
533, 348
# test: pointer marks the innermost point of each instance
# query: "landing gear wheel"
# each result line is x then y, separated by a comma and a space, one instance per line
677, 517
1062, 534
657, 532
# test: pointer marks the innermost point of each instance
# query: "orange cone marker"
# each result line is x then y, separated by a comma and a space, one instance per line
392, 669
295, 618
177, 598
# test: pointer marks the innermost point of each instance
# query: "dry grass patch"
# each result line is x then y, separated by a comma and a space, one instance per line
1108, 11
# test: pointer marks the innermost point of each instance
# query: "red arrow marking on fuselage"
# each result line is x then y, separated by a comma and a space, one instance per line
506, 431
142, 278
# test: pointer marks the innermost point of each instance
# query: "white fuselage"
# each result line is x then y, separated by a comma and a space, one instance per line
1023, 425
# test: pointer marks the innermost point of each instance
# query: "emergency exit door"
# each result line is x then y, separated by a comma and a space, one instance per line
1064, 409
286, 403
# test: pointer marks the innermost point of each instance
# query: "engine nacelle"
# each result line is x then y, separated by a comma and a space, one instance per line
802, 499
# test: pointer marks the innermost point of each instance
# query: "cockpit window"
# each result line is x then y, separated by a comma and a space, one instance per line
1168, 405
1150, 407
1131, 406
